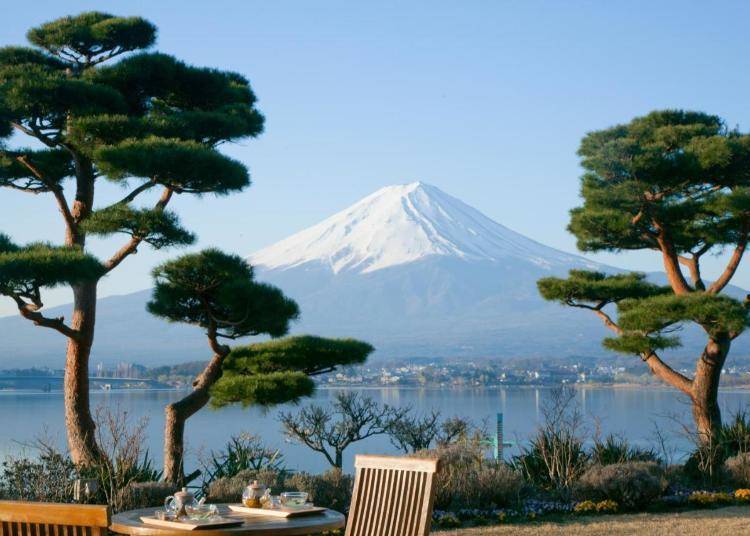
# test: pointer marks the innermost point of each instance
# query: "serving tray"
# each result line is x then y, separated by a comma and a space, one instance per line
281, 511
189, 524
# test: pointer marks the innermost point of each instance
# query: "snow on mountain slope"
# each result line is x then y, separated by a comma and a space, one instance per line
401, 224
416, 271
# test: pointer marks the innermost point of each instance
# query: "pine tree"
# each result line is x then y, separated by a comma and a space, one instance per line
217, 292
676, 183
98, 108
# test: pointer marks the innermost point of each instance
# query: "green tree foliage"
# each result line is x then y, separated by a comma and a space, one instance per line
280, 370
97, 106
23, 270
148, 118
677, 183
597, 289
217, 292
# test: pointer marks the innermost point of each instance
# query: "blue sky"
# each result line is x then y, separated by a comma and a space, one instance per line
487, 100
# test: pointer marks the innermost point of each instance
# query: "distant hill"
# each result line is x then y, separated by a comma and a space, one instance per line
409, 268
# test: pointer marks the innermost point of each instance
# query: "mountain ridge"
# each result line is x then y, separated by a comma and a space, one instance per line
401, 269
401, 224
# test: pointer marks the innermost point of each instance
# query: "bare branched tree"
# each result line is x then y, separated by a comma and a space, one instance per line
457, 429
413, 433
350, 418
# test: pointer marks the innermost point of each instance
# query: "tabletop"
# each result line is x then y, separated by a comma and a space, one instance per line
130, 523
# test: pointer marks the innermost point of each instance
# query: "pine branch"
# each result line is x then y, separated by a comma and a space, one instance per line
35, 133
693, 266
30, 312
608, 321
671, 261
668, 374
734, 260
135, 193
56, 190
318, 372
132, 245
657, 366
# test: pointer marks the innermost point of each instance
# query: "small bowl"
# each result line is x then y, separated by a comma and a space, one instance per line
294, 499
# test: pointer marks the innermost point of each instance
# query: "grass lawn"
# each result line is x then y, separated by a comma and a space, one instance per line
733, 520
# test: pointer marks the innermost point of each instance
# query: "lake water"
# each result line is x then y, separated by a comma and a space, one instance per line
633, 413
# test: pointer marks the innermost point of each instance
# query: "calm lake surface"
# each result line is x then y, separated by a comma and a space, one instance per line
631, 412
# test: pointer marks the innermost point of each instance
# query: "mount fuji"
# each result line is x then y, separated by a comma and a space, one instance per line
420, 273
409, 268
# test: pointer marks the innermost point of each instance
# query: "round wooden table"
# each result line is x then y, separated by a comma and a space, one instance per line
130, 523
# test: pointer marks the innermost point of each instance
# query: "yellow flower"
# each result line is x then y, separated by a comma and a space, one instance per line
708, 498
585, 507
606, 507
742, 494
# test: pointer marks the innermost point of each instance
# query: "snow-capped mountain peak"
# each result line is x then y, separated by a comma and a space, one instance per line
401, 224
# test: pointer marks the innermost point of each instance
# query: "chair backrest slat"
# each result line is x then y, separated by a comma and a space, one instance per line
393, 496
19, 518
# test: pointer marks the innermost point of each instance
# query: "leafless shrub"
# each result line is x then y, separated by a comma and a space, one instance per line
125, 460
556, 457
631, 485
737, 469
469, 480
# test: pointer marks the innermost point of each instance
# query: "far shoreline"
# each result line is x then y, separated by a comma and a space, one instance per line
576, 386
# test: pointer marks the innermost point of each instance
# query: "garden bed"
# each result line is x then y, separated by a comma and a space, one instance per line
728, 520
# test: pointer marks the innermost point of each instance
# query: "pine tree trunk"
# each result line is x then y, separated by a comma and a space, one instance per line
177, 413
706, 411
78, 420
80, 426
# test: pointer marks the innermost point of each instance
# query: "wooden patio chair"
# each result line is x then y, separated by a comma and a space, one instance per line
52, 519
393, 496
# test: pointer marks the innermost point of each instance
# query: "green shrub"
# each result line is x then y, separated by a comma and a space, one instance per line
243, 452
735, 435
632, 485
468, 480
48, 478
737, 469
614, 449
144, 494
553, 460
332, 489
706, 463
